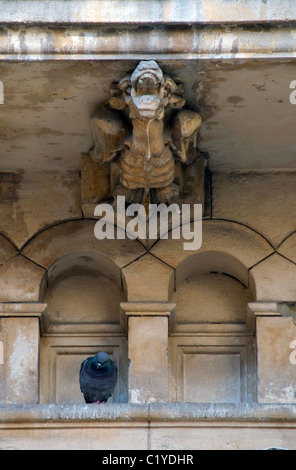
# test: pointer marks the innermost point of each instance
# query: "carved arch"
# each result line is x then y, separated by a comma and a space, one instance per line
7, 250
231, 247
78, 236
71, 250
83, 292
71, 241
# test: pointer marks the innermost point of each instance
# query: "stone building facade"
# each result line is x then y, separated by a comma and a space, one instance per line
204, 339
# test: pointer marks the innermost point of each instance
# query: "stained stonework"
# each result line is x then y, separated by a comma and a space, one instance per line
160, 102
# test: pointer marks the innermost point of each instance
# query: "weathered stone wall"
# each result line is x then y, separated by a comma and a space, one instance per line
203, 339
206, 304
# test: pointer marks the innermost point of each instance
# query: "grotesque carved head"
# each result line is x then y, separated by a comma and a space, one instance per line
146, 98
147, 92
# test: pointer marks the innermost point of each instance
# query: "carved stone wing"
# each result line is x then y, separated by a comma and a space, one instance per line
109, 131
185, 127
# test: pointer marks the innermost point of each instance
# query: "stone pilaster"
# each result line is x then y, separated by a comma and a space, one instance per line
275, 334
19, 336
148, 327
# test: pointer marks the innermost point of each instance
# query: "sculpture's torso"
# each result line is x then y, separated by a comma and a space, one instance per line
147, 162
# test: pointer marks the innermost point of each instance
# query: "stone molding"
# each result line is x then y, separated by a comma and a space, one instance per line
102, 42
261, 309
21, 309
273, 309
264, 309
155, 309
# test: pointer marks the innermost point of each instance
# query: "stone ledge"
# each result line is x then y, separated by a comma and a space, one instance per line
226, 413
84, 42
148, 413
146, 11
123, 412
147, 308
21, 309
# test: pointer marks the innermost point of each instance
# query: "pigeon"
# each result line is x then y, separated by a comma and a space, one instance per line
97, 378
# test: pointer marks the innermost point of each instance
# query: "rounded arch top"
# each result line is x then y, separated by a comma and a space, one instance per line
212, 261
83, 292
7, 250
78, 237
83, 263
225, 240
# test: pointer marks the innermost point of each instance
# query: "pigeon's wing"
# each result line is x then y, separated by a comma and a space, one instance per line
81, 375
109, 383
84, 382
115, 367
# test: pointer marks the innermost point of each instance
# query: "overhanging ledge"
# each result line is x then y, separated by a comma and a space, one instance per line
146, 11
147, 414
86, 42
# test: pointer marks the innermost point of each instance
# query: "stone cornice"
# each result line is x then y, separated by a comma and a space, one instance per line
145, 11
103, 42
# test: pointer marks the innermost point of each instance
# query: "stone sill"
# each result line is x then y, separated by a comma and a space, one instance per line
148, 414
146, 11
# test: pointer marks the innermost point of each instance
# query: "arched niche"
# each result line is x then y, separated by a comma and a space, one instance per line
226, 240
211, 298
83, 293
212, 345
212, 288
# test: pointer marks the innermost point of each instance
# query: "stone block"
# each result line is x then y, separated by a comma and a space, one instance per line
20, 280
254, 198
148, 279
276, 372
20, 366
148, 361
211, 368
275, 279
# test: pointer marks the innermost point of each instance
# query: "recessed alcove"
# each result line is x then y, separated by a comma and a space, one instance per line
206, 299
212, 344
83, 293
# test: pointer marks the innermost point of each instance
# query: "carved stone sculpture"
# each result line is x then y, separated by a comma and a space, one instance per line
143, 140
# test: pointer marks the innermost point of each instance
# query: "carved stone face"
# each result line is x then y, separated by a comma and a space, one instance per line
146, 98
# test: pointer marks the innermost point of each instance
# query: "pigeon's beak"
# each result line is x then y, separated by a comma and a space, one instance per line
98, 365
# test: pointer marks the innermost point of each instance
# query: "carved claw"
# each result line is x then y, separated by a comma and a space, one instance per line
169, 194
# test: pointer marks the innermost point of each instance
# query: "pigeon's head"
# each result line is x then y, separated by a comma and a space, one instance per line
102, 358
